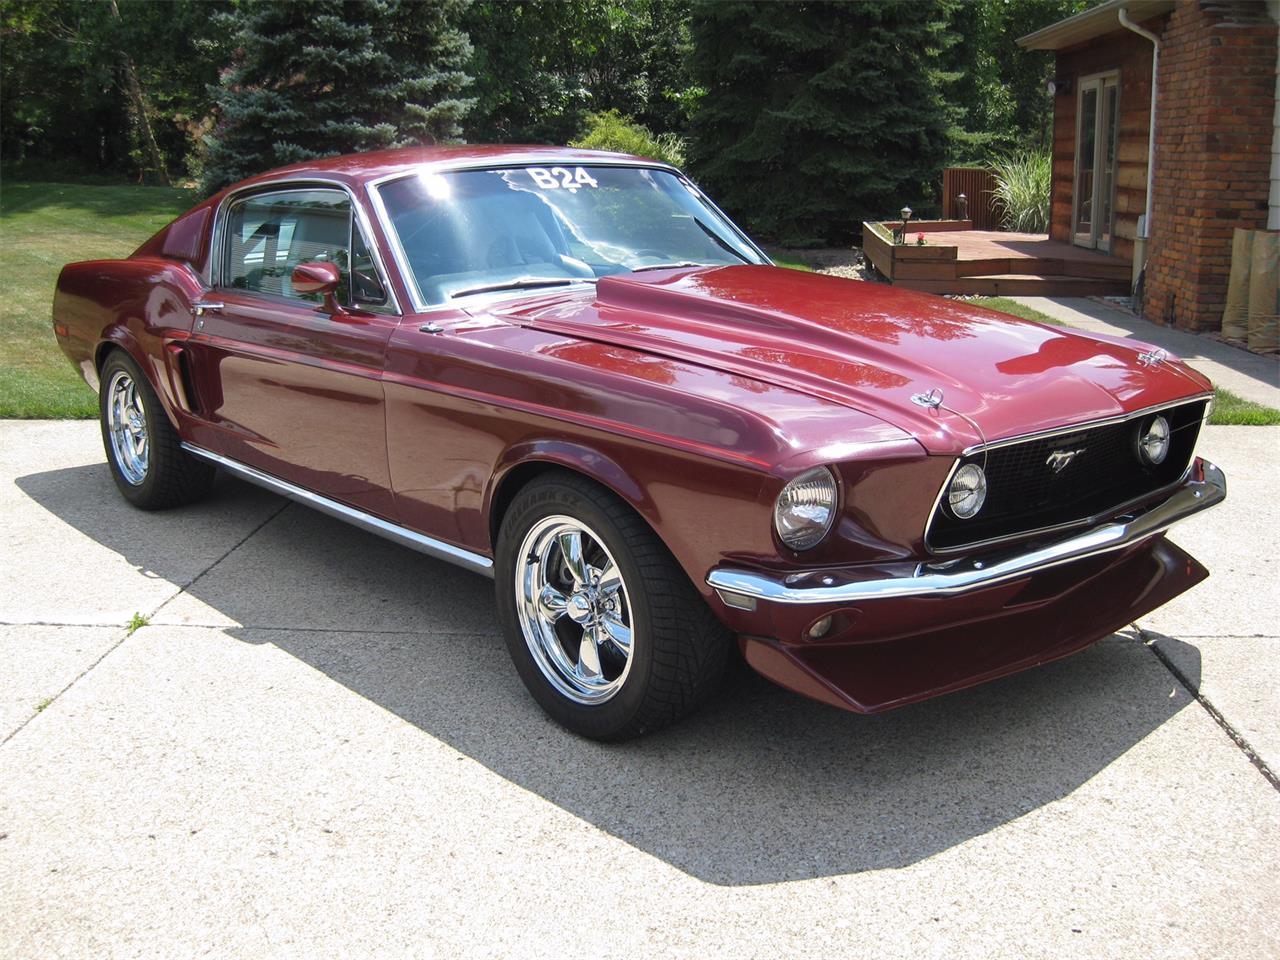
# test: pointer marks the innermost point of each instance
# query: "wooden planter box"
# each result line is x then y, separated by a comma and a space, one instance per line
910, 261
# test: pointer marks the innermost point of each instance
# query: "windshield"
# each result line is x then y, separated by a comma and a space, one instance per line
482, 231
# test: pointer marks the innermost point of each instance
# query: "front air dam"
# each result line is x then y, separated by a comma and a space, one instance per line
1029, 627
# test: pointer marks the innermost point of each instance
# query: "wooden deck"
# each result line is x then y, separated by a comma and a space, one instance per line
991, 263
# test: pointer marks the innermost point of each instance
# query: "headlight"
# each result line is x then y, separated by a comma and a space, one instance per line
806, 508
1153, 441
968, 491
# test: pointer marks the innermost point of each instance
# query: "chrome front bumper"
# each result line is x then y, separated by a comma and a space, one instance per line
742, 589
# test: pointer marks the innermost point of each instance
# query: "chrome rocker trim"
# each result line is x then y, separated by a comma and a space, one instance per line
741, 588
438, 549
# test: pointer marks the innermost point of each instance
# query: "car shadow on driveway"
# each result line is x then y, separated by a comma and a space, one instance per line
761, 786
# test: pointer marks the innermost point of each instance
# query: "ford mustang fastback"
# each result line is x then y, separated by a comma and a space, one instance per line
570, 372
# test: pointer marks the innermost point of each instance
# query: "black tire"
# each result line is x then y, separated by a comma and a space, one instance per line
679, 649
172, 477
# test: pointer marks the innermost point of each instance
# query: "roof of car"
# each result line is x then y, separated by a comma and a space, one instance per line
364, 167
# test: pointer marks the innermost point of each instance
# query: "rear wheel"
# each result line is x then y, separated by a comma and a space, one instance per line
604, 628
147, 461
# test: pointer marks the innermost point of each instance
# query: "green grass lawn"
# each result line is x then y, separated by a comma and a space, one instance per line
791, 264
1230, 409
1005, 305
43, 226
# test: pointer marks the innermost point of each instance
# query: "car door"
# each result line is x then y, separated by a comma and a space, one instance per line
291, 388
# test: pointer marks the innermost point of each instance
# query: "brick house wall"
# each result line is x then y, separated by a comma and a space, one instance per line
1216, 115
1214, 127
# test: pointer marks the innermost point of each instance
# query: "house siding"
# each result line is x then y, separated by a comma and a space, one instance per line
1130, 55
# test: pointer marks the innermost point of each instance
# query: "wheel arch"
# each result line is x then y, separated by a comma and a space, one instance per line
104, 350
119, 337
523, 464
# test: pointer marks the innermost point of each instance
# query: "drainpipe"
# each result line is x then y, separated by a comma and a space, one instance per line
1151, 134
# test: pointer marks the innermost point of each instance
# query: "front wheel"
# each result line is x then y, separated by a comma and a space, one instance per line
604, 628
147, 461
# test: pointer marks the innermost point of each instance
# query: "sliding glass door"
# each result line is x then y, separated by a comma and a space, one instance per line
1097, 117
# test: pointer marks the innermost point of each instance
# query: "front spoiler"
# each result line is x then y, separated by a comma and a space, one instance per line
738, 588
1014, 632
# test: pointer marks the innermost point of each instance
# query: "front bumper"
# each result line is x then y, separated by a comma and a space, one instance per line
868, 639
1206, 487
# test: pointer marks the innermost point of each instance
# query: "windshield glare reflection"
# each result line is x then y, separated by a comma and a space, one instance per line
485, 231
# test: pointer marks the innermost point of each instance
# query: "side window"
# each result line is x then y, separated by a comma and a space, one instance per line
269, 234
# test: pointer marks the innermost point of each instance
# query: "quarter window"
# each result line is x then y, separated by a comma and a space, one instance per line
366, 286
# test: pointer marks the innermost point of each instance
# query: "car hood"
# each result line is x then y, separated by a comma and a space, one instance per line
872, 347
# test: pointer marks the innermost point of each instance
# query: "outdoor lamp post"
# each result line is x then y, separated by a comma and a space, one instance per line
906, 218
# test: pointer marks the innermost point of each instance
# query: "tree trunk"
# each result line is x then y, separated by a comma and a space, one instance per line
140, 110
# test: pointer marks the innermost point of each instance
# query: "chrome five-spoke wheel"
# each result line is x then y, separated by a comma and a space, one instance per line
127, 427
604, 627
144, 451
574, 609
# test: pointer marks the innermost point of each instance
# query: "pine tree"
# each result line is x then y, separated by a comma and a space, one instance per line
819, 115
1000, 87
324, 77
542, 66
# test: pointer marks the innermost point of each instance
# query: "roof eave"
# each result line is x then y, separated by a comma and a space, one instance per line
1094, 22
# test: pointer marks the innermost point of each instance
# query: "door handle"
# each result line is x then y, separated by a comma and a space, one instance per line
201, 307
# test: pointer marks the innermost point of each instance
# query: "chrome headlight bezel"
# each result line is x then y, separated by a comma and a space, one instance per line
805, 509
1155, 437
966, 492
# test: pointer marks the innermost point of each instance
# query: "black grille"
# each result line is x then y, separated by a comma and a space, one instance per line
1025, 493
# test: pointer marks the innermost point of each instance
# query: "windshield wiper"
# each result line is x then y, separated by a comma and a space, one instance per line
520, 283
671, 266
720, 241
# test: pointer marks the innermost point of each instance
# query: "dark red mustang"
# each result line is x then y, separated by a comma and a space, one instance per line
569, 371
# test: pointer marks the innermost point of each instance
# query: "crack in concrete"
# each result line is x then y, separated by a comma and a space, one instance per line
363, 631
56, 623
232, 549
1227, 636
1236, 736
254, 627
127, 631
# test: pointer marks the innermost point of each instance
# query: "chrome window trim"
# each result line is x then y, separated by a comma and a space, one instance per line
516, 160
284, 185
1041, 435
439, 549
353, 231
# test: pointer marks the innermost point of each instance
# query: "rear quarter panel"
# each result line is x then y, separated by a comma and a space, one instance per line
140, 305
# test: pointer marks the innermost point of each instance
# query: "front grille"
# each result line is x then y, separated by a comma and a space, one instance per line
1025, 494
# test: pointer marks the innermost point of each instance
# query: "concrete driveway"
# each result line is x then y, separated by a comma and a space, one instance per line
318, 748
